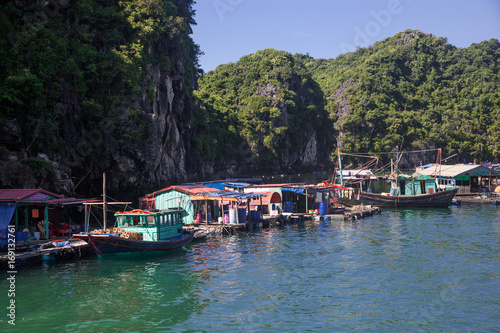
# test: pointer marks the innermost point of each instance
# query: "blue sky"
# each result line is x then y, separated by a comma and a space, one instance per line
229, 29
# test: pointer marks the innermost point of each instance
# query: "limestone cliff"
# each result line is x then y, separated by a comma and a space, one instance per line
96, 86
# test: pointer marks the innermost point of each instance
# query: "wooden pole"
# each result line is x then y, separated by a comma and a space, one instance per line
249, 211
104, 200
17, 217
26, 216
262, 208
87, 213
307, 202
237, 213
46, 215
340, 169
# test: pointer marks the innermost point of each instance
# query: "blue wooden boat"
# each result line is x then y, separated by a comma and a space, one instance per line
160, 231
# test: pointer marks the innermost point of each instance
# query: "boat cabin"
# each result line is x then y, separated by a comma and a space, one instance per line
153, 225
403, 185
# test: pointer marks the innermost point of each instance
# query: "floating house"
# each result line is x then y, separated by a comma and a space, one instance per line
267, 203
469, 178
178, 197
200, 203
34, 209
295, 197
276, 190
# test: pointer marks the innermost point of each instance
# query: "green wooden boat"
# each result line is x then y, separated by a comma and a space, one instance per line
160, 231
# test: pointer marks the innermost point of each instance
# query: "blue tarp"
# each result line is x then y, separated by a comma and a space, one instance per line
293, 189
62, 244
301, 190
6, 213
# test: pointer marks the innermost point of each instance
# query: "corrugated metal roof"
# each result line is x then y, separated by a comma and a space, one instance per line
21, 194
458, 170
278, 185
187, 189
225, 195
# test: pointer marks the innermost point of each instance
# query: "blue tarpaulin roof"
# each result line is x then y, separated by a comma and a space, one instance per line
6, 213
298, 190
309, 189
225, 195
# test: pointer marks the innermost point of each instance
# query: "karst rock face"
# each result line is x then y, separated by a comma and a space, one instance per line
121, 103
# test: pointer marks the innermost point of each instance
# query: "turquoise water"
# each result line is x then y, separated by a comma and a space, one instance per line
428, 270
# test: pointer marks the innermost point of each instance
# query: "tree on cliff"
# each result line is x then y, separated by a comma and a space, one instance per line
92, 86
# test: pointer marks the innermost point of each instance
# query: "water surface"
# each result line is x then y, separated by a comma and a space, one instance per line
428, 270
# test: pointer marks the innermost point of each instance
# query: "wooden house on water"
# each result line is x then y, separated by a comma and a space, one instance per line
200, 203
293, 197
274, 194
469, 178
33, 209
177, 196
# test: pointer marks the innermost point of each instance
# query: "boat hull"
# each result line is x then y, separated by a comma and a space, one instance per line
437, 199
110, 244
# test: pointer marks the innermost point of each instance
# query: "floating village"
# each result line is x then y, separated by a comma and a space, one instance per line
38, 226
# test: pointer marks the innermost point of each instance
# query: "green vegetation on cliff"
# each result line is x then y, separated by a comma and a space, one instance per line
410, 92
260, 110
88, 84
94, 53
417, 91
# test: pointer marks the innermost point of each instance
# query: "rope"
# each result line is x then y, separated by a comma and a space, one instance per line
390, 152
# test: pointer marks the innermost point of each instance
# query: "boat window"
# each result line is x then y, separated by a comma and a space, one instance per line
121, 220
150, 221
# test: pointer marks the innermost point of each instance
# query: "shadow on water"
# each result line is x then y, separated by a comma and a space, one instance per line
122, 293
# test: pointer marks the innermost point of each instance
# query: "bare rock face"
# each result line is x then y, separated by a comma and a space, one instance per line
140, 142
341, 97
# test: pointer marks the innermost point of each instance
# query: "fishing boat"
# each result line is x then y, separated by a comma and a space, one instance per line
411, 191
406, 191
140, 231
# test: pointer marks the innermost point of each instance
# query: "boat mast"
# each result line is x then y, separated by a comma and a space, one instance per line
340, 169
104, 200
104, 204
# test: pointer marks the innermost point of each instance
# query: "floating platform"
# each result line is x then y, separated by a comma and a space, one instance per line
58, 250
340, 213
224, 228
274, 221
492, 199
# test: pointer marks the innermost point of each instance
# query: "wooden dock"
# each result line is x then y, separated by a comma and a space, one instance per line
60, 250
276, 221
224, 228
478, 198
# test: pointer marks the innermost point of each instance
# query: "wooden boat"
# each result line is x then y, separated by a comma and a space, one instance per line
408, 191
140, 231
405, 191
